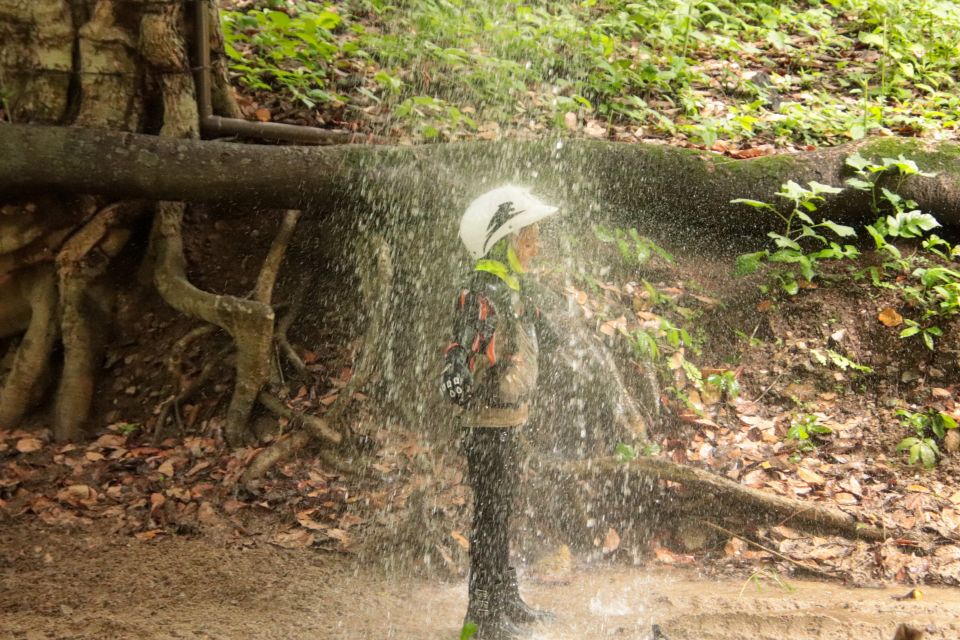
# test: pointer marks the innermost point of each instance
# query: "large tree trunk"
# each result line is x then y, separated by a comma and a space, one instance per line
122, 67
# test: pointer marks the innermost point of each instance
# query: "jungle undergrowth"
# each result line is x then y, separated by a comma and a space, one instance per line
718, 74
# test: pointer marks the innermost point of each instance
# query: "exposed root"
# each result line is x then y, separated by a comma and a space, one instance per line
713, 496
32, 357
374, 282
283, 449
263, 290
85, 310
315, 425
283, 326
187, 392
312, 428
249, 322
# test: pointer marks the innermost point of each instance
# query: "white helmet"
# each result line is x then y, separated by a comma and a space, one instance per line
498, 213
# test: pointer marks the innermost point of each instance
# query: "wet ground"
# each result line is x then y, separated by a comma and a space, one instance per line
94, 586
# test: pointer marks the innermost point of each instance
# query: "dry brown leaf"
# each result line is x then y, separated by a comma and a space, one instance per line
669, 557
294, 539
262, 114
147, 535
339, 535
889, 317
109, 441
734, 547
845, 498
809, 476
166, 468
611, 542
157, 500
304, 519
29, 445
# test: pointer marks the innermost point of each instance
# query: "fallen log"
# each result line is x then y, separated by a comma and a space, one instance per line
642, 182
711, 496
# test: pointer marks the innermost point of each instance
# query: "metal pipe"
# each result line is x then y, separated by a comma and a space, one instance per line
212, 126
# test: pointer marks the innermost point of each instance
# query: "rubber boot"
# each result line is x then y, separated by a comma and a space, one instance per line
518, 611
486, 610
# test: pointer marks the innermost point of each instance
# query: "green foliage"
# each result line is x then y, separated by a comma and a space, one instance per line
468, 631
625, 452
294, 53
646, 63
128, 428
922, 279
842, 362
802, 243
725, 383
806, 430
634, 248
928, 426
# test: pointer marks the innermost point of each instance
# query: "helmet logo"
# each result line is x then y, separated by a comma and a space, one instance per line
504, 212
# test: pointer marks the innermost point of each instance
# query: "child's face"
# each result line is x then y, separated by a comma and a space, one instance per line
527, 244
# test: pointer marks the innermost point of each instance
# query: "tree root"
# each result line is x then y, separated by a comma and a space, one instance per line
85, 310
283, 449
33, 355
187, 392
713, 496
283, 326
313, 428
374, 282
249, 322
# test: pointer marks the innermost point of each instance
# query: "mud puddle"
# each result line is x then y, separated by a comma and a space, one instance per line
93, 586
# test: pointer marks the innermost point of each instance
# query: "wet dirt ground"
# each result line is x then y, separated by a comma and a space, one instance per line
94, 586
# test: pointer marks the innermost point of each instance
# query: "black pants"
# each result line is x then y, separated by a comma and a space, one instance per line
492, 471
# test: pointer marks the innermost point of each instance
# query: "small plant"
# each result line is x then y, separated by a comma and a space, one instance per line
128, 428
802, 242
933, 288
758, 577
806, 430
634, 248
929, 426
838, 360
725, 383
625, 452
469, 630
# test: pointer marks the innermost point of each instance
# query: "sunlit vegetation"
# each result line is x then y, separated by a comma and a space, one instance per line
720, 74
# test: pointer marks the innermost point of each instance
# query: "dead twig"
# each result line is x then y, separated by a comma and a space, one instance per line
812, 569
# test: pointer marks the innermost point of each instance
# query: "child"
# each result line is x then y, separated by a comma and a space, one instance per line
491, 372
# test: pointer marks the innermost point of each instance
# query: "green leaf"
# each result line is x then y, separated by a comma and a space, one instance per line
862, 185
279, 18
840, 229
624, 452
928, 455
858, 162
906, 443
818, 188
791, 287
752, 203
909, 331
783, 242
469, 630
748, 263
